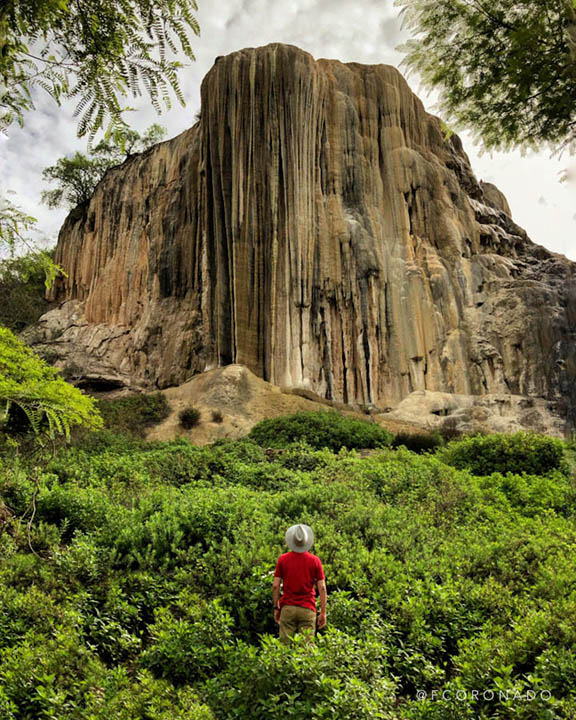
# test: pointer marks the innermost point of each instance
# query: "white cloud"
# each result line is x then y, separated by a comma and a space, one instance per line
365, 31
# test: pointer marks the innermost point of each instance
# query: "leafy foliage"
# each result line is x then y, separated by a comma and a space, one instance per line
148, 595
344, 674
77, 178
96, 52
134, 414
15, 226
78, 175
28, 383
517, 453
505, 69
126, 141
418, 442
186, 649
22, 290
319, 430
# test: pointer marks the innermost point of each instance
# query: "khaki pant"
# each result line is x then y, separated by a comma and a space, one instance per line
294, 618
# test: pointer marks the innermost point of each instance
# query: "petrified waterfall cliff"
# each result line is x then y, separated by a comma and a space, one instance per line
316, 226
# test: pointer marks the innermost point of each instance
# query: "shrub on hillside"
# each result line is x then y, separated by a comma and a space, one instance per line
134, 413
516, 453
189, 417
320, 430
217, 416
418, 442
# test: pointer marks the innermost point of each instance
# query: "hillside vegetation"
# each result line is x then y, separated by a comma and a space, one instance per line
136, 581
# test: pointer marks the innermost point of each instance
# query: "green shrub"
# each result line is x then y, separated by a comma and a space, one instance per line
320, 430
22, 610
81, 561
147, 596
189, 417
516, 453
74, 509
139, 696
114, 440
190, 648
217, 416
7, 707
45, 676
134, 414
29, 385
418, 442
339, 676
300, 456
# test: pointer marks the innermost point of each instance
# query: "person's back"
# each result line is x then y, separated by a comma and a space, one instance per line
298, 571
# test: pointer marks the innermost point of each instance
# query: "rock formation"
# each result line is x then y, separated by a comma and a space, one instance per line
318, 227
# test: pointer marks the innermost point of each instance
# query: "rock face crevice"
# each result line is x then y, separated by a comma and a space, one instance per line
317, 227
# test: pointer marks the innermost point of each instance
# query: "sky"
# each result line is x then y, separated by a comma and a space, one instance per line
365, 31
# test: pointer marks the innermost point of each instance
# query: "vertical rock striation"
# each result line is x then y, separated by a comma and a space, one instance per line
317, 227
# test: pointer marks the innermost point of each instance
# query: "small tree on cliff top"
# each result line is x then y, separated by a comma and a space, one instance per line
77, 176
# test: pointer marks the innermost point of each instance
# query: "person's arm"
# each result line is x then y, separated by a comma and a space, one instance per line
276, 597
323, 595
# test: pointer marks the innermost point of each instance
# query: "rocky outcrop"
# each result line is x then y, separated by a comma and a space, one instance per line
468, 414
318, 227
241, 400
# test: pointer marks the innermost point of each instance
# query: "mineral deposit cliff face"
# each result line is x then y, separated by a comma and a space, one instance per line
317, 227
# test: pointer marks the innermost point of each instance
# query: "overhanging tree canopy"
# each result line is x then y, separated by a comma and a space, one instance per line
506, 69
96, 51
31, 384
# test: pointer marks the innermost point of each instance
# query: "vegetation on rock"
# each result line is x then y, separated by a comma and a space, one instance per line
189, 417
134, 414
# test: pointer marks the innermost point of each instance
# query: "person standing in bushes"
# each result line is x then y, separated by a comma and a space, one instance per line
298, 571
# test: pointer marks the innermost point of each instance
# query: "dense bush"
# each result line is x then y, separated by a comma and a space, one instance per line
341, 675
22, 292
135, 583
517, 453
189, 417
320, 430
418, 442
134, 414
186, 649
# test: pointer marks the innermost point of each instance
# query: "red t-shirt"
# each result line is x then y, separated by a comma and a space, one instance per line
299, 572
